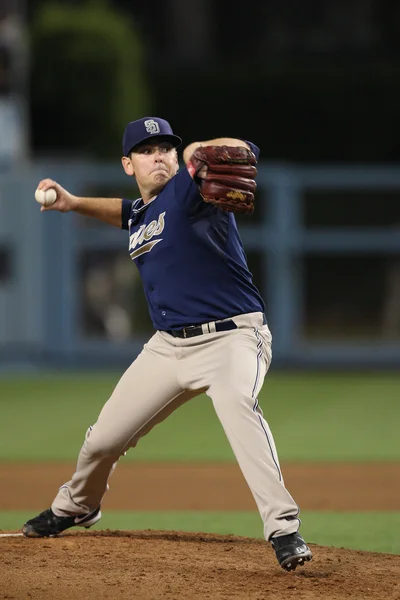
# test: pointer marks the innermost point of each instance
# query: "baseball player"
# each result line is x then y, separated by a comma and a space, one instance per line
211, 331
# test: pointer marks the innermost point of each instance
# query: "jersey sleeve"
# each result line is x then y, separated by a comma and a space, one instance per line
186, 191
125, 213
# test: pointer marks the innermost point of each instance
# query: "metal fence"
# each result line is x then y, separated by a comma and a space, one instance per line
324, 244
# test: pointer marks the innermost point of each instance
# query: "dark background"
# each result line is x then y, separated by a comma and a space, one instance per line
309, 81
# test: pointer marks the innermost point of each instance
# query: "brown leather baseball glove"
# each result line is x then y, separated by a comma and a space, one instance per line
225, 175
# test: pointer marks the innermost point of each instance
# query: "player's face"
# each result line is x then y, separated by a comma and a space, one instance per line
153, 164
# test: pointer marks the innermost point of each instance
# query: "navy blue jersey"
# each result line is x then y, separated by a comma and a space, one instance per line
190, 257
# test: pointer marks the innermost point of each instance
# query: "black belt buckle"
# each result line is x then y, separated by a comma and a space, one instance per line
189, 329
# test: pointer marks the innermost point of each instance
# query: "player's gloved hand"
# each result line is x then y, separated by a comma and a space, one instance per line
225, 175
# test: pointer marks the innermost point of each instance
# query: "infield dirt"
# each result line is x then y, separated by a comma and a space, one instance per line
151, 565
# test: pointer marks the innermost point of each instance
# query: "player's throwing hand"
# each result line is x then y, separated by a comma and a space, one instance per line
64, 201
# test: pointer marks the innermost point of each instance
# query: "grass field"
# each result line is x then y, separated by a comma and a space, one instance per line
314, 417
374, 531
317, 417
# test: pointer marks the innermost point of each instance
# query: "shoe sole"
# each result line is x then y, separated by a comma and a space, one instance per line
29, 532
291, 563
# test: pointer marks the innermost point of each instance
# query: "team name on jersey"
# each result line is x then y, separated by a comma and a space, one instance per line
143, 237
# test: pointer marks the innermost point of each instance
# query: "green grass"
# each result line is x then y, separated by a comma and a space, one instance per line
373, 531
314, 416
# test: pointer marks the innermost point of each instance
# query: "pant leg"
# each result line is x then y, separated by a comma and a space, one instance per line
233, 365
145, 395
234, 394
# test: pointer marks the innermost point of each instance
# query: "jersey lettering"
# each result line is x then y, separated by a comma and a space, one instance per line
144, 234
145, 248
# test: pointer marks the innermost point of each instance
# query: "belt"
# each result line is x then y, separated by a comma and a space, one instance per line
193, 330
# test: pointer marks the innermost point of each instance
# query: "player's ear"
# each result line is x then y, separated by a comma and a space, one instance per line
127, 166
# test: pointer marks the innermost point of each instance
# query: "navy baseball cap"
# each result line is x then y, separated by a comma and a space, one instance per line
144, 129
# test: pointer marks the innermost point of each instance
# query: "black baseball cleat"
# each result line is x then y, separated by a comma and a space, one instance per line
47, 524
291, 550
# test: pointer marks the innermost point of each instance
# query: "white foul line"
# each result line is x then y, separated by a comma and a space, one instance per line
11, 534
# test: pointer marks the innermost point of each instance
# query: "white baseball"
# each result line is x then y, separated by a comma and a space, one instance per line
46, 198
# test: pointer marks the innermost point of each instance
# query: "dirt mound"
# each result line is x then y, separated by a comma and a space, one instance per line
196, 486
150, 565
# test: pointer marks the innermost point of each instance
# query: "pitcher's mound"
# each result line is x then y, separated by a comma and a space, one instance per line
150, 565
